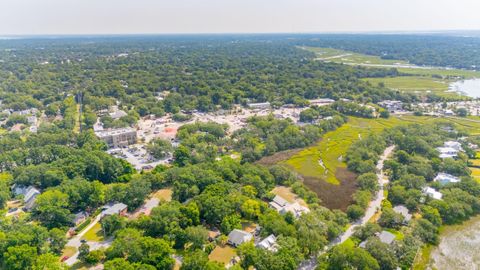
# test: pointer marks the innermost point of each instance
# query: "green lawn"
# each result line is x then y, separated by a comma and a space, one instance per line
411, 83
94, 234
347, 57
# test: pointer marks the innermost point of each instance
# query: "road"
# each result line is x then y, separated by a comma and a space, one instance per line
369, 213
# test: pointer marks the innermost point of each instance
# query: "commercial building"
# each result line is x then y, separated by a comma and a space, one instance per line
118, 137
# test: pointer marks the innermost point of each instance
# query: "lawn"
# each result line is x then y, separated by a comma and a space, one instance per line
94, 234
412, 83
423, 258
347, 57
475, 173
222, 254
164, 194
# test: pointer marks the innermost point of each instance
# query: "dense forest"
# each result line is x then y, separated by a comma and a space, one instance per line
425, 50
204, 74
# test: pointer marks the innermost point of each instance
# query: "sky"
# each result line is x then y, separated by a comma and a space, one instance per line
37, 17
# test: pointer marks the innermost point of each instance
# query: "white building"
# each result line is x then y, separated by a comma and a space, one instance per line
392, 105
118, 137
259, 106
453, 144
29, 193
445, 178
238, 237
432, 193
321, 101
269, 243
447, 152
283, 207
402, 210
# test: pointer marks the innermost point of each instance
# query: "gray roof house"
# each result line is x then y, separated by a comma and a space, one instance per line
238, 237
269, 243
384, 236
112, 209
400, 209
29, 193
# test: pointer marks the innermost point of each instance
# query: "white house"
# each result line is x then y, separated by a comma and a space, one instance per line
238, 237
29, 193
269, 243
445, 178
453, 144
432, 193
283, 207
447, 152
401, 209
259, 106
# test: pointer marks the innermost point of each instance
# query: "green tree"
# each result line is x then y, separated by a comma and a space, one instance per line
343, 257
159, 148
51, 208
20, 257
48, 261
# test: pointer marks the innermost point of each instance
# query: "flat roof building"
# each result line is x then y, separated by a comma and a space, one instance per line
118, 137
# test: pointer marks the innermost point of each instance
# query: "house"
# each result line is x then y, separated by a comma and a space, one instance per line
447, 152
321, 101
432, 193
119, 137
29, 194
401, 209
117, 114
269, 243
259, 106
278, 203
391, 105
114, 209
448, 112
445, 178
384, 237
453, 144
238, 237
32, 120
79, 218
283, 206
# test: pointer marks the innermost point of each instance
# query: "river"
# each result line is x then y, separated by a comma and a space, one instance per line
459, 247
470, 87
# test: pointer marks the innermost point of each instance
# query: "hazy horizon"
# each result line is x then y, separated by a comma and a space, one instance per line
124, 17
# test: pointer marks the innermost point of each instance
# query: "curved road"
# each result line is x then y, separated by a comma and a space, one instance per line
369, 213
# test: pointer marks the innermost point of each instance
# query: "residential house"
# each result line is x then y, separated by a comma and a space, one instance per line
238, 237
392, 105
447, 152
385, 237
283, 207
401, 209
453, 144
432, 193
29, 194
445, 178
114, 209
79, 218
269, 243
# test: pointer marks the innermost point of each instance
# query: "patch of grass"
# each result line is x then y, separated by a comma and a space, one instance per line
222, 254
475, 173
475, 162
423, 258
164, 194
398, 234
94, 234
349, 243
347, 57
323, 160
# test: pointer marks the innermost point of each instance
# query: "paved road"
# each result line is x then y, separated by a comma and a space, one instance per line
369, 213
76, 241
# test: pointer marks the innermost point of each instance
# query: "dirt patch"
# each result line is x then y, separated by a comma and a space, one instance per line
334, 196
278, 157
